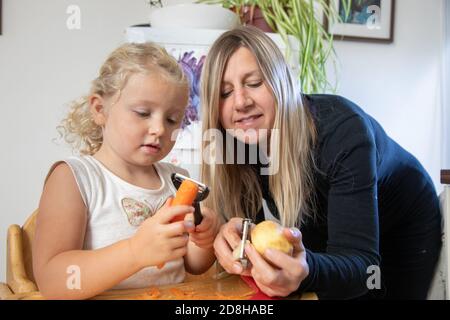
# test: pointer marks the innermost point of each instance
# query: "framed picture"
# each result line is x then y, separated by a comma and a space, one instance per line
363, 20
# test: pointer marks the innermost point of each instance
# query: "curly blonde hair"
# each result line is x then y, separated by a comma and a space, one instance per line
78, 128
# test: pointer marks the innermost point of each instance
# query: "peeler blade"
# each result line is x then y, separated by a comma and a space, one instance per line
245, 232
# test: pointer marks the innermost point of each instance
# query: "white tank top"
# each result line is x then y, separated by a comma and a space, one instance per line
115, 210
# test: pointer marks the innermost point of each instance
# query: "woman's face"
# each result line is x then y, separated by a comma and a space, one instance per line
247, 105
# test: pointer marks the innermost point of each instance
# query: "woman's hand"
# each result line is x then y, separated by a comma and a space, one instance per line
277, 273
229, 238
203, 235
157, 240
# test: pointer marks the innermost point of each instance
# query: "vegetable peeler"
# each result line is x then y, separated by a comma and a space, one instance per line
245, 231
202, 194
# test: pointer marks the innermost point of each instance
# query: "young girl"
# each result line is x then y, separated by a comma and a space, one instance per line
103, 217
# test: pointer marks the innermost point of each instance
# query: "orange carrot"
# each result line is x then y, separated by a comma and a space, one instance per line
185, 195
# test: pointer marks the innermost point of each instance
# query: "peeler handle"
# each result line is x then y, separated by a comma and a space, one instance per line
198, 217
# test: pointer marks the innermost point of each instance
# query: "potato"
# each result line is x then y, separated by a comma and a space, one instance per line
269, 234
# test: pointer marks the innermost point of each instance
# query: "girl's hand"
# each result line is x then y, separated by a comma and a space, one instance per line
228, 238
203, 235
157, 240
284, 273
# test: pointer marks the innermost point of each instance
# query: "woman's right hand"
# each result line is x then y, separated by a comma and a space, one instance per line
229, 238
159, 240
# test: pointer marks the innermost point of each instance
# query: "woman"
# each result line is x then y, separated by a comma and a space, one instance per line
367, 210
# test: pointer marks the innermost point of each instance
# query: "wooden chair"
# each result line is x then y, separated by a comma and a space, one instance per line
19, 264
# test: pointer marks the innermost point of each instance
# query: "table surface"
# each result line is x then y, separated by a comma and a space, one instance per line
205, 287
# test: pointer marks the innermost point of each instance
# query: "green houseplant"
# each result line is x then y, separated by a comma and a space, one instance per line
300, 19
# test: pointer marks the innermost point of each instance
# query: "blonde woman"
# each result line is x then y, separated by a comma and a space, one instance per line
105, 215
361, 212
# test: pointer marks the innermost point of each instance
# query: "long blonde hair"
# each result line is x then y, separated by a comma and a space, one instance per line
235, 189
78, 127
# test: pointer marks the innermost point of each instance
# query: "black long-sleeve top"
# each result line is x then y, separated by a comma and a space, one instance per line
366, 186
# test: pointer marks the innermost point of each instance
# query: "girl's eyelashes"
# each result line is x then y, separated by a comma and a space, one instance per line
142, 114
172, 121
175, 117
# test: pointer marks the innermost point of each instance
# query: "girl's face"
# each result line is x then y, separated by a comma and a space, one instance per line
139, 125
246, 102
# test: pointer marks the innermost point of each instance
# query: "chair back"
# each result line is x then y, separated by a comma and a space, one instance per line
19, 264
28, 230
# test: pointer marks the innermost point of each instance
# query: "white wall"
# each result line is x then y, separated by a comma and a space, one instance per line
43, 66
399, 84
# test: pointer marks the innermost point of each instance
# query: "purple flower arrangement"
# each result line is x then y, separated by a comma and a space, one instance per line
193, 69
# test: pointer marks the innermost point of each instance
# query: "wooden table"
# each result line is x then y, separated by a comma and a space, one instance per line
225, 287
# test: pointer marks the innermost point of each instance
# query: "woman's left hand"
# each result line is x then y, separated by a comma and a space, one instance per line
284, 274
